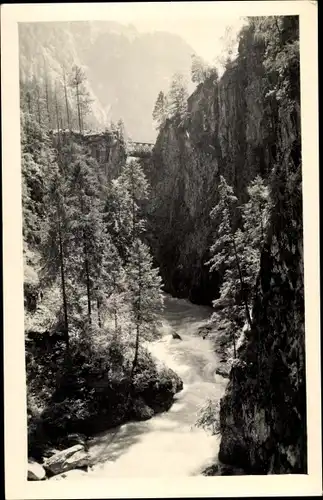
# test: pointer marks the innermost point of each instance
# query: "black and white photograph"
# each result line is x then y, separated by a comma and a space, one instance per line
162, 246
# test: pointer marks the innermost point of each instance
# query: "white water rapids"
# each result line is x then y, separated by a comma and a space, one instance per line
168, 444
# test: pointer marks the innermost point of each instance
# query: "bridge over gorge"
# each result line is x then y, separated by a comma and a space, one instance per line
106, 148
102, 142
139, 149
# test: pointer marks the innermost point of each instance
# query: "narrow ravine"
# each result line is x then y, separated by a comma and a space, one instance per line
169, 444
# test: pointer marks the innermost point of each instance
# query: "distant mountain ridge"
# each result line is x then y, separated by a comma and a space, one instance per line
125, 68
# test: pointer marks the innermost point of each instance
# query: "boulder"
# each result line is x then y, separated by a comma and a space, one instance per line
223, 470
36, 472
73, 458
141, 411
176, 336
71, 474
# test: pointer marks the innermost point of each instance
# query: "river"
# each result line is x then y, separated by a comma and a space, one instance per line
169, 444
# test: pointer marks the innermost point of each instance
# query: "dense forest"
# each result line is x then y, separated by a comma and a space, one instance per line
92, 295
217, 207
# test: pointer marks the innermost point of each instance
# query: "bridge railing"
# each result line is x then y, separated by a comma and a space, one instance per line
140, 149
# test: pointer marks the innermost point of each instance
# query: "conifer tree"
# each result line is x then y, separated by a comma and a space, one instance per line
226, 253
67, 106
82, 96
238, 252
56, 243
255, 214
177, 97
200, 70
136, 184
144, 296
160, 110
118, 216
84, 189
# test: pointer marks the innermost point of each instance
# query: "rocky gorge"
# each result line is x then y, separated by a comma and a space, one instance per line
149, 351
245, 124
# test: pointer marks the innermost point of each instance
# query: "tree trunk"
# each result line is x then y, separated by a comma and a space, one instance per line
28, 102
66, 101
57, 122
138, 320
87, 275
61, 255
115, 319
38, 105
99, 312
78, 108
47, 103
86, 265
243, 291
133, 213
234, 345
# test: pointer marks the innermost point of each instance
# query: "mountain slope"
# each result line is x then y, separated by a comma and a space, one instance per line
125, 69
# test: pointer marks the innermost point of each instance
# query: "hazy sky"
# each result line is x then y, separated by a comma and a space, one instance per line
200, 24
204, 35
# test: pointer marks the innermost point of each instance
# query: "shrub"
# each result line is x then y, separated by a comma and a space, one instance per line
209, 417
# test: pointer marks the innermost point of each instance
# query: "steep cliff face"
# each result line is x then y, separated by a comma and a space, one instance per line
246, 124
232, 130
263, 414
106, 147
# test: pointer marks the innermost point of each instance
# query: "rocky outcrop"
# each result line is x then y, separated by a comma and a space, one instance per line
245, 124
107, 147
35, 471
141, 411
263, 413
232, 129
73, 458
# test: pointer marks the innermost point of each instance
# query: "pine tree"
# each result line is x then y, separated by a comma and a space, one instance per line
226, 253
255, 214
160, 110
136, 184
238, 252
85, 206
83, 101
56, 243
144, 296
67, 106
118, 216
121, 130
177, 97
200, 70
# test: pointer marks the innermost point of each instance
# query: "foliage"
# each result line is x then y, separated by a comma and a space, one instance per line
89, 280
236, 252
200, 70
208, 417
160, 111
177, 97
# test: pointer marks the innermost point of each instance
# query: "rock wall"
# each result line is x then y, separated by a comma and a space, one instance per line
232, 130
263, 413
248, 123
106, 147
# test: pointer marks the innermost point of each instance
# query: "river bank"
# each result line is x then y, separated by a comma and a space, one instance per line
168, 444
